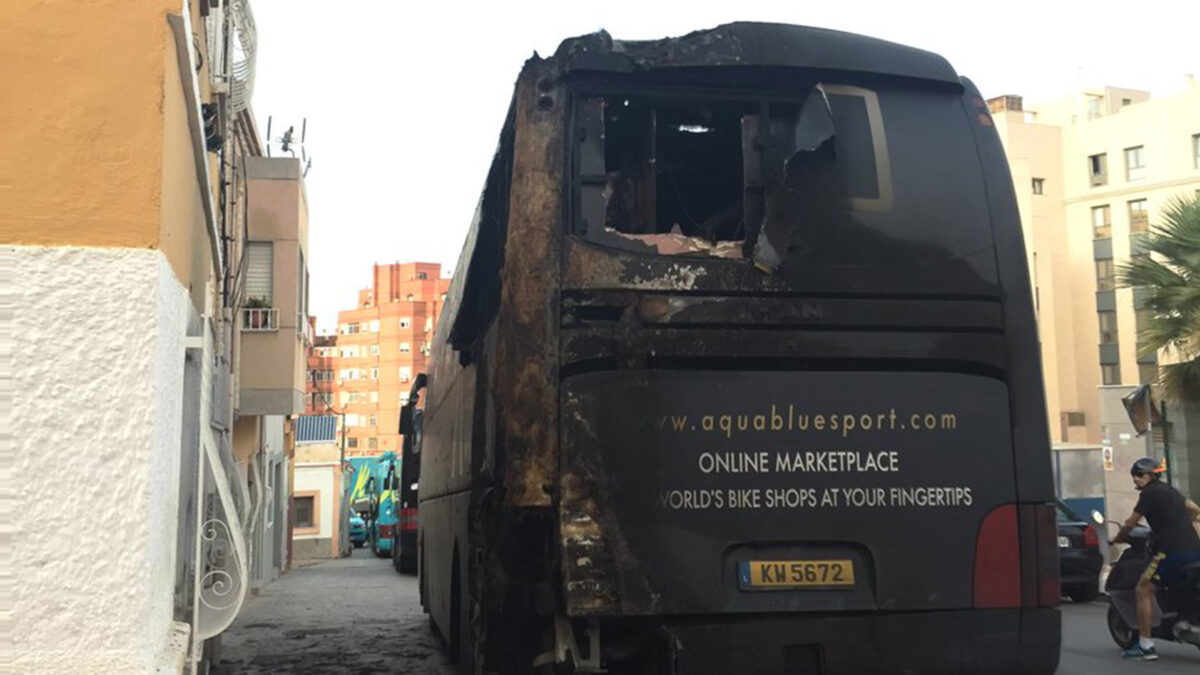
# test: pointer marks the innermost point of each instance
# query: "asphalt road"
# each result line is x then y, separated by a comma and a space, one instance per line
1088, 650
358, 616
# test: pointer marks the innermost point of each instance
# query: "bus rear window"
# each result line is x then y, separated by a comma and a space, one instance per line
840, 175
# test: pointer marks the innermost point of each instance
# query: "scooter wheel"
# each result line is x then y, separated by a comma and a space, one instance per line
1122, 633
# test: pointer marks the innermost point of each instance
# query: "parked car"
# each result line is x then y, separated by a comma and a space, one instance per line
358, 530
1079, 556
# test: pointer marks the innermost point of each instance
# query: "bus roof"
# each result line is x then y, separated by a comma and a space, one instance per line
743, 44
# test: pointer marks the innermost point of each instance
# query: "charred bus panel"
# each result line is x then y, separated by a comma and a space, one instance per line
739, 372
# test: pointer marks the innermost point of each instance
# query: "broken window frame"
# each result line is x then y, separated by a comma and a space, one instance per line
589, 172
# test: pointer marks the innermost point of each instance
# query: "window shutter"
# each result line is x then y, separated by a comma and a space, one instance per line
259, 268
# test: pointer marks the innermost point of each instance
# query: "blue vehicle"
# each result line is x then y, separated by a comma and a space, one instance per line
359, 489
358, 530
381, 494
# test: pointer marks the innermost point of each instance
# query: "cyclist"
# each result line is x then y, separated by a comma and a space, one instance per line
1171, 517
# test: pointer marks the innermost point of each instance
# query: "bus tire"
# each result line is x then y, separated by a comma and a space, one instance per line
454, 639
422, 571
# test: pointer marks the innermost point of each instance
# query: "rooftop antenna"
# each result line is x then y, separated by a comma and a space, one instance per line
289, 143
304, 155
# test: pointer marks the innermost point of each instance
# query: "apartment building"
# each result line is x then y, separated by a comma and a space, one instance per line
381, 346
1092, 172
136, 179
319, 388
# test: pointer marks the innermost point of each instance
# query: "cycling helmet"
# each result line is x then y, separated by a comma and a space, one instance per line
1148, 465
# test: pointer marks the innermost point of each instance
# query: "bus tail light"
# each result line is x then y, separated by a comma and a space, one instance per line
408, 520
1039, 562
998, 559
1090, 539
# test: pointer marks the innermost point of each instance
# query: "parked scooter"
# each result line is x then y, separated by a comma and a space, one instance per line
1176, 607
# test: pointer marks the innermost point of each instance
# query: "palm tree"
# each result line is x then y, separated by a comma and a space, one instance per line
1171, 278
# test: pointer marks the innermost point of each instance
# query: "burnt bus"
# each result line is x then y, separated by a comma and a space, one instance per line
739, 373
404, 548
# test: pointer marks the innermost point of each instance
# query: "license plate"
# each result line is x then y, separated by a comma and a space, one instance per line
1064, 542
772, 575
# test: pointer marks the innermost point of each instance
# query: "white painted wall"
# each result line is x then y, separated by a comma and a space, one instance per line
317, 476
269, 524
96, 418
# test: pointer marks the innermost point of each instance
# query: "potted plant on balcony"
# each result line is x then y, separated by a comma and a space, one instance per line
257, 320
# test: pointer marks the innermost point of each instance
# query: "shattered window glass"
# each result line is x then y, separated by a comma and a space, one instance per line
807, 177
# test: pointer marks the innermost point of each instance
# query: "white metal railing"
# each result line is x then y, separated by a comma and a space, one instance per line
245, 47
221, 549
260, 319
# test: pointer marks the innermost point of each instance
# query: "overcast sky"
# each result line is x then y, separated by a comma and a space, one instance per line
405, 100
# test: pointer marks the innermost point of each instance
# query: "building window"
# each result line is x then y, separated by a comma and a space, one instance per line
405, 347
260, 271
1104, 275
1039, 186
405, 373
374, 397
403, 399
1148, 373
348, 374
372, 420
1135, 163
305, 506
372, 443
1126, 101
1139, 216
410, 297
422, 275
1110, 374
405, 322
374, 326
1101, 222
1098, 167
1196, 152
349, 328
374, 350
1108, 327
374, 373
351, 442
428, 324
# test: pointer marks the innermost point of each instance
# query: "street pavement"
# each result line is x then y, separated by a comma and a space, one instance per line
352, 616
1088, 650
358, 616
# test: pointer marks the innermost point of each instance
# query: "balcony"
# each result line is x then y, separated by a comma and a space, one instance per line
274, 333
256, 319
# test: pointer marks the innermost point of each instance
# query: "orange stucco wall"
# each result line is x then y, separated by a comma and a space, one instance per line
183, 232
84, 133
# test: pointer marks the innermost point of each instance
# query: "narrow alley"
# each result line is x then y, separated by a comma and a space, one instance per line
353, 615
